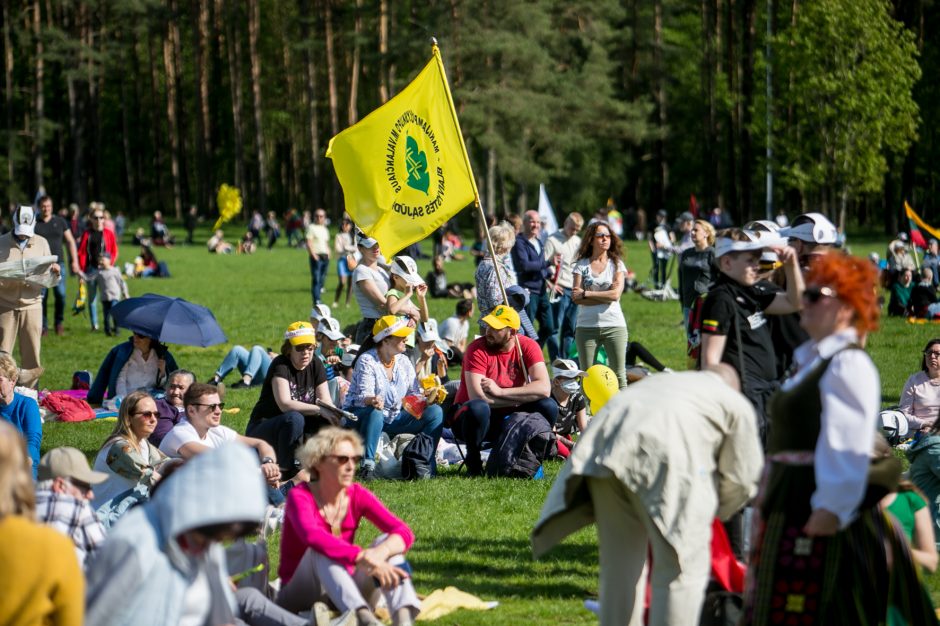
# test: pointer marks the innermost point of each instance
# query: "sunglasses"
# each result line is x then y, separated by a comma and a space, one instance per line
211, 407
343, 459
307, 347
932, 353
147, 413
601, 235
815, 294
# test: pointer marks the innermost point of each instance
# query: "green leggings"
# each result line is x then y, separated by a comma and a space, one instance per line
614, 340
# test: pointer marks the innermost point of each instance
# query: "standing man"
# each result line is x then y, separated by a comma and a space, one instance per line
55, 230
21, 302
95, 242
561, 250
317, 236
533, 274
657, 464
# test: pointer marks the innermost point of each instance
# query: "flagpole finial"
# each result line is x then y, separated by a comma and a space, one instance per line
434, 41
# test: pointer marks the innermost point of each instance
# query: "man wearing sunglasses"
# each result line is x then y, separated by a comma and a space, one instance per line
63, 496
202, 430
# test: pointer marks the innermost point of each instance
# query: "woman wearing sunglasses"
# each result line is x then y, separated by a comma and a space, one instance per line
598, 284
127, 457
920, 399
819, 499
319, 557
287, 408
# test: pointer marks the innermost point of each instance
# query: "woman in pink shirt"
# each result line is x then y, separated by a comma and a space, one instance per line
319, 559
920, 399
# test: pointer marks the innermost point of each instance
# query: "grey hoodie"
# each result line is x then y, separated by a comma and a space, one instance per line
140, 576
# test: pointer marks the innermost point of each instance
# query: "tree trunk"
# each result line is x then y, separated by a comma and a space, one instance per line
354, 71
661, 172
254, 26
748, 19
40, 97
331, 66
709, 132
310, 106
8, 97
732, 121
204, 152
233, 50
158, 134
130, 188
383, 51
172, 114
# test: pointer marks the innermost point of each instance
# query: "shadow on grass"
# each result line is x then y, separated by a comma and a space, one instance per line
500, 567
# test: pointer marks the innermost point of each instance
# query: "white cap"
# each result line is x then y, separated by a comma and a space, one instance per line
24, 221
812, 228
350, 354
330, 328
320, 312
756, 241
762, 225
406, 267
565, 368
427, 331
367, 242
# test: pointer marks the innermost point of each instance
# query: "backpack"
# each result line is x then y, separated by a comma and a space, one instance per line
417, 457
527, 440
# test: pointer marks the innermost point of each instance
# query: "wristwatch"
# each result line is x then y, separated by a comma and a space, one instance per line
267, 460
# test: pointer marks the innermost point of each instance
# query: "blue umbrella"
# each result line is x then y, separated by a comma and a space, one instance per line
171, 320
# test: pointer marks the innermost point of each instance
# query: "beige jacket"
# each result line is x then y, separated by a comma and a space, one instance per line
685, 443
13, 293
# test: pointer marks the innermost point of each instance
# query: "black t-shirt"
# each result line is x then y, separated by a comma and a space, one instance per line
729, 303
567, 421
303, 386
95, 247
53, 231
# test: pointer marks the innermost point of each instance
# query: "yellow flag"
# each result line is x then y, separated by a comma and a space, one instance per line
404, 168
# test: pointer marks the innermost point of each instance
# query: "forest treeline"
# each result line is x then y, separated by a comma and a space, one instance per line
152, 104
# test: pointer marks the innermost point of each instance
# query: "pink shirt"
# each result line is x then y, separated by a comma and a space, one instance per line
920, 400
304, 528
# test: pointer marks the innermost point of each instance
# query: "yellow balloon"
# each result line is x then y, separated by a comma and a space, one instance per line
600, 385
229, 200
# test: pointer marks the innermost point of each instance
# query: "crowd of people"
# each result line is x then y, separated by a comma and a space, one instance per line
775, 316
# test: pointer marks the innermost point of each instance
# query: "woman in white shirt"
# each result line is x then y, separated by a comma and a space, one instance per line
598, 284
370, 284
920, 400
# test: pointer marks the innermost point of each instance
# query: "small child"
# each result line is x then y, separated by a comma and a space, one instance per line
112, 288
405, 282
572, 405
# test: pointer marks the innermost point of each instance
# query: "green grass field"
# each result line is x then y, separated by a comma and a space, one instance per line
472, 534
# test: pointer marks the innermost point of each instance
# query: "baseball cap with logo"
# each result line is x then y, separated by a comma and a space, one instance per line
406, 267
501, 317
389, 325
24, 221
68, 462
300, 333
812, 228
320, 312
329, 327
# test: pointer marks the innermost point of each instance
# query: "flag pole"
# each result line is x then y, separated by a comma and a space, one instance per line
476, 193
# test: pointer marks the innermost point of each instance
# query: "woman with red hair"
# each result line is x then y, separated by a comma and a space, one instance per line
822, 552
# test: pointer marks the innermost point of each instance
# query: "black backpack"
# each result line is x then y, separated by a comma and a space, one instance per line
417, 456
527, 440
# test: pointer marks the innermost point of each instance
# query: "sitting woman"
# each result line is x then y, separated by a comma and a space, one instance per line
251, 364
19, 410
217, 244
287, 408
319, 558
127, 457
150, 266
920, 399
139, 363
899, 303
438, 286
382, 378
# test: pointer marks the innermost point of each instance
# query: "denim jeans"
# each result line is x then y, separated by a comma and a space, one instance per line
318, 270
255, 363
565, 313
540, 309
59, 292
372, 424
91, 298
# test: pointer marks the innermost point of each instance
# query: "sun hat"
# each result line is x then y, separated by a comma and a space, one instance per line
366, 242
68, 462
391, 325
406, 268
766, 226
24, 221
320, 312
300, 333
566, 368
756, 241
329, 327
501, 317
427, 331
812, 228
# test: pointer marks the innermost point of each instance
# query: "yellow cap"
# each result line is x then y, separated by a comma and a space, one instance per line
300, 333
389, 325
501, 317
